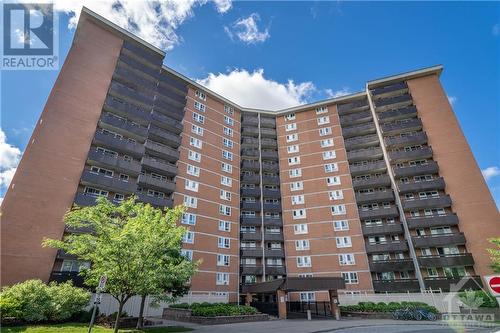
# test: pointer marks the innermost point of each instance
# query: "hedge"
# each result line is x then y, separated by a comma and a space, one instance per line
216, 309
386, 307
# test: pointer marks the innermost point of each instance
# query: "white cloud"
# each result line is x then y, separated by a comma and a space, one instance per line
247, 31
496, 29
491, 172
252, 89
9, 158
452, 100
154, 21
337, 93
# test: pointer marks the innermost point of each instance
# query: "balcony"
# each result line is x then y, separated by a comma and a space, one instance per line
248, 142
355, 118
175, 112
403, 155
383, 229
118, 144
358, 130
392, 265
275, 270
439, 240
140, 66
396, 246
361, 142
250, 131
269, 155
378, 213
273, 222
153, 58
253, 179
272, 207
172, 81
276, 237
125, 73
119, 164
267, 122
162, 151
382, 180
418, 138
159, 166
268, 143
364, 154
251, 221
434, 184
155, 201
407, 125
270, 167
250, 192
130, 95
396, 286
61, 254
250, 165
396, 102
169, 97
250, 153
126, 110
445, 283
149, 181
249, 121
271, 180
398, 114
62, 276
397, 87
166, 122
354, 106
165, 137
268, 132
378, 196
251, 270
432, 221
85, 200
372, 167
449, 260
107, 183
272, 194
251, 252
251, 206
275, 253
432, 202
431, 167
251, 236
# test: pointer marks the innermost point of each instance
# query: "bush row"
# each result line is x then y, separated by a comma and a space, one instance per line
386, 307
216, 309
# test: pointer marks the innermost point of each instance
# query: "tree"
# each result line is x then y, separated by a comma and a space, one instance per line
137, 247
495, 255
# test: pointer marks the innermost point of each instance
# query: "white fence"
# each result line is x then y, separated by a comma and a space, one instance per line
109, 304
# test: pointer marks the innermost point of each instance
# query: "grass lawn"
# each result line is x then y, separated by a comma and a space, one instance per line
83, 328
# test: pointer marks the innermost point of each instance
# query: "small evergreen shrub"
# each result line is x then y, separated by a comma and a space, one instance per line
216, 309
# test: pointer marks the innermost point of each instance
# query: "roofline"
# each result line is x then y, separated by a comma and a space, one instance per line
406, 75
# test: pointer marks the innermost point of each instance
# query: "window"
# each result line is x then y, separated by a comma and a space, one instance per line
228, 131
290, 116
307, 296
301, 245
193, 170
107, 152
292, 137
304, 261
227, 155
228, 109
188, 237
224, 226
291, 127
200, 95
323, 120
226, 181
223, 242
227, 167
297, 199
191, 185
336, 195
198, 118
225, 210
325, 131
194, 156
299, 229
74, 265
299, 214
227, 143
195, 142
454, 272
92, 191
225, 195
331, 167
294, 160
221, 279
321, 109
296, 186
197, 130
156, 194
328, 155
190, 201
222, 260
119, 197
350, 277
346, 259
188, 218
124, 178
229, 121
188, 254
338, 210
341, 225
101, 171
292, 149
432, 272
295, 173
343, 241
198, 106
326, 143
335, 180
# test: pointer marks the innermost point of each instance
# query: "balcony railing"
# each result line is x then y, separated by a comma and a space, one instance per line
273, 222
364, 154
128, 94
249, 252
268, 132
248, 142
403, 155
251, 236
361, 142
432, 202
126, 110
250, 165
155, 201
393, 102
273, 194
356, 118
358, 130
382, 180
378, 213
250, 131
383, 229
251, 220
251, 206
250, 192
397, 127
131, 167
373, 167
272, 207
431, 167
267, 122
408, 112
439, 240
159, 166
432, 221
275, 270
278, 237
396, 286
419, 138
135, 149
448, 260
269, 155
379, 196
434, 184
392, 265
62, 276
162, 151
253, 179
149, 181
107, 183
275, 253
251, 270
354, 106
397, 246
165, 137
389, 89
445, 283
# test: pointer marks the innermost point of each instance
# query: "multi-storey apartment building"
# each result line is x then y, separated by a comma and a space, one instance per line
378, 187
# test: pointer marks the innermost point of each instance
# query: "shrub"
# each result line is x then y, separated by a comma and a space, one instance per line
216, 309
383, 307
488, 301
34, 301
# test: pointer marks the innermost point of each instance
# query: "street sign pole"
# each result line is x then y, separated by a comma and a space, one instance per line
97, 300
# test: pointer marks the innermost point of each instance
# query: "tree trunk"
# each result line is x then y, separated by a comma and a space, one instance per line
140, 320
119, 314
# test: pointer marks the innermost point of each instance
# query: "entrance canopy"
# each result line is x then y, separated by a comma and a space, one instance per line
296, 284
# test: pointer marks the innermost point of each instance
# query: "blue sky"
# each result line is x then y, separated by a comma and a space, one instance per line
326, 48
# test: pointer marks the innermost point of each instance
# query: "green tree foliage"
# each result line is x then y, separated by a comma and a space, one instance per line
136, 246
495, 255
